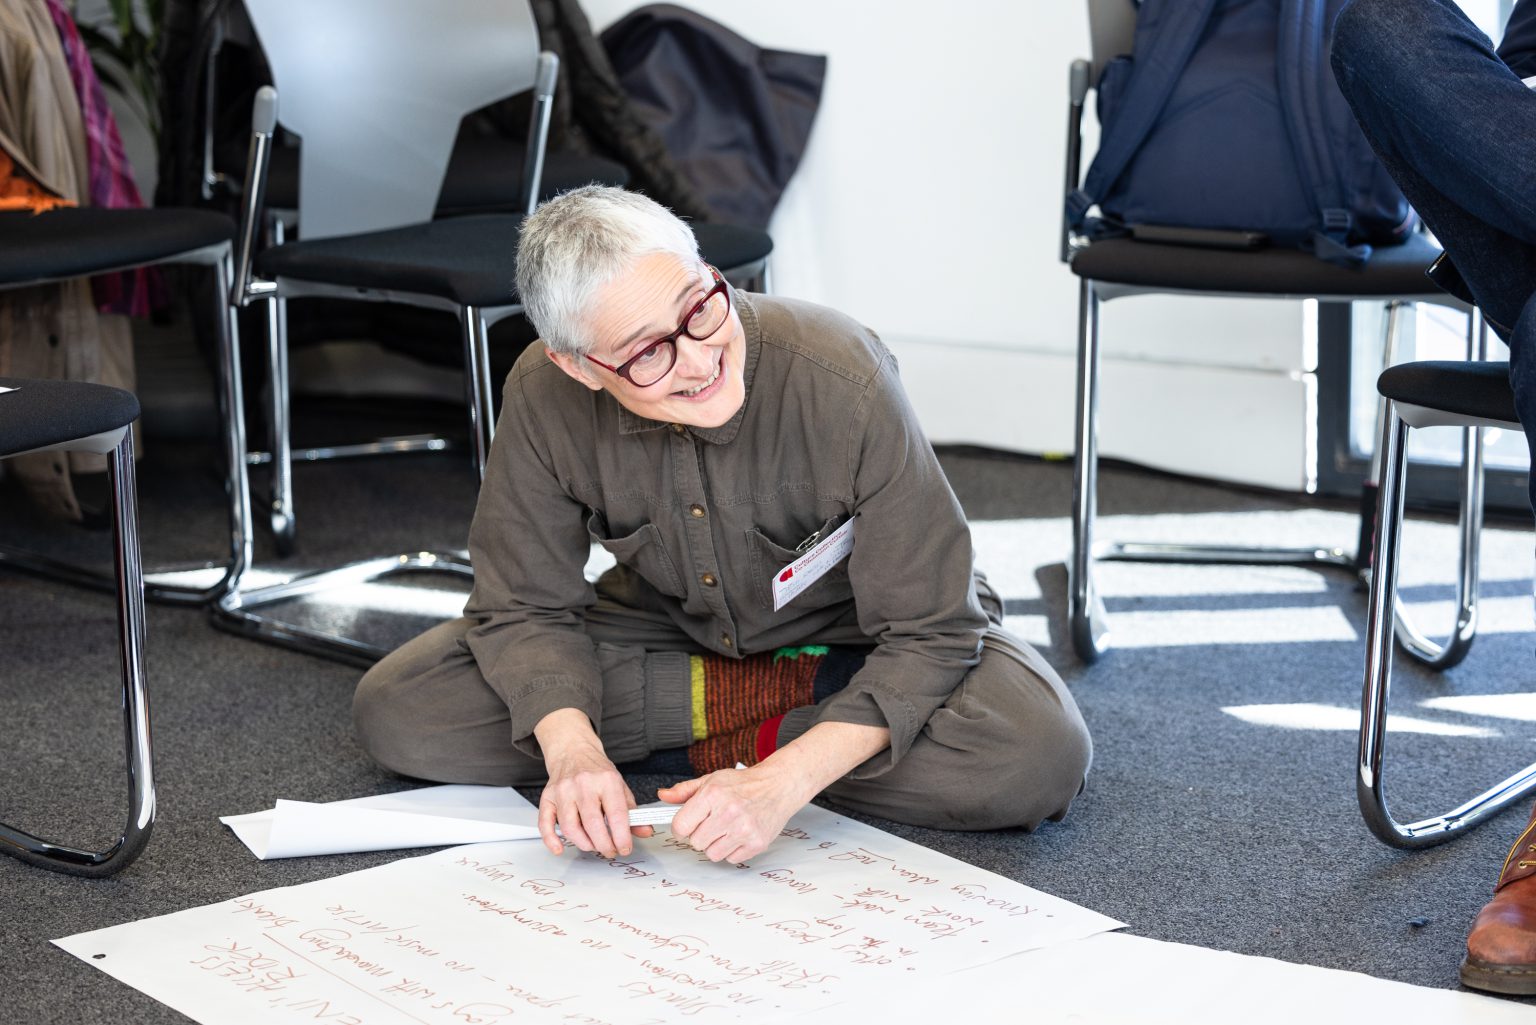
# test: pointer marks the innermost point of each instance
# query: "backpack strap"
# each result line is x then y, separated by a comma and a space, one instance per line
1167, 32
1301, 56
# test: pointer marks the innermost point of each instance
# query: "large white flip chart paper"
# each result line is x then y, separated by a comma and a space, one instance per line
834, 912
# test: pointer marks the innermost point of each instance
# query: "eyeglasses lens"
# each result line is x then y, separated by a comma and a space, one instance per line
706, 320
654, 365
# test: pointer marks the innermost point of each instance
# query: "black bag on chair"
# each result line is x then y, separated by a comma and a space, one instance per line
1226, 120
735, 116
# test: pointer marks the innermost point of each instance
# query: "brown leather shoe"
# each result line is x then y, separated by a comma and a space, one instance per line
1501, 949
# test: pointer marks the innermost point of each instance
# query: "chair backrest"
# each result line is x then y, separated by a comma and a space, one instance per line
1111, 30
375, 90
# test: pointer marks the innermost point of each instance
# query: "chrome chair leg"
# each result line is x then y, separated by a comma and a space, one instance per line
242, 610
478, 395
279, 412
1376, 689
1370, 488
239, 612
1335, 557
1469, 529
1085, 613
161, 586
237, 479
1227, 555
130, 622
245, 611
1470, 524
280, 428
1085, 608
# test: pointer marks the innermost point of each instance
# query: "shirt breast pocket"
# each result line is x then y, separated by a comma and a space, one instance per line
767, 558
643, 552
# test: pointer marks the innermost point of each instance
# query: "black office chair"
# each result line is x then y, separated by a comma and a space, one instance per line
376, 146
71, 416
70, 243
1430, 393
484, 174
1113, 268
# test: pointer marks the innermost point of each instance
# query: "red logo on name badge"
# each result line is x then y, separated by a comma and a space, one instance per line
786, 574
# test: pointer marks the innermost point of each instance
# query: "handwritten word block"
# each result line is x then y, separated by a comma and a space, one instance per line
834, 912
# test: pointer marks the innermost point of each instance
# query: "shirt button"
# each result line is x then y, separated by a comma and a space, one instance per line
678, 428
725, 640
708, 580
696, 511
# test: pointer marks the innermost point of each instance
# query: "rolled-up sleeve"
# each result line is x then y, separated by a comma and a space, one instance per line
528, 543
912, 574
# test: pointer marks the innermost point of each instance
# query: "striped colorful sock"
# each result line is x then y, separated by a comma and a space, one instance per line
738, 704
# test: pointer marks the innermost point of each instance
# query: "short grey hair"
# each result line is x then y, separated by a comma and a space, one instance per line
579, 241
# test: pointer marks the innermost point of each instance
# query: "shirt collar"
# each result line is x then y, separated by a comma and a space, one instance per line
632, 423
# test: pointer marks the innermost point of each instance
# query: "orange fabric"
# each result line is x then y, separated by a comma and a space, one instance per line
19, 192
723, 751
741, 696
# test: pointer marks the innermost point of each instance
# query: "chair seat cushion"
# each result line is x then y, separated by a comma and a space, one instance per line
1391, 270
729, 247
484, 174
40, 413
1480, 390
69, 242
471, 261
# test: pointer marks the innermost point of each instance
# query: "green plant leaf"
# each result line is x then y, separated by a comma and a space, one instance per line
125, 53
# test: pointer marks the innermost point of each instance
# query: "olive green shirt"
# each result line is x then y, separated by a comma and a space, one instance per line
707, 516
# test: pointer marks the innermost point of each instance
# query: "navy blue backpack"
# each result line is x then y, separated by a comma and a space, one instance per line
1227, 117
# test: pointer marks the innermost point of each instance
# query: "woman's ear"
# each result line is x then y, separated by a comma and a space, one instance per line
573, 366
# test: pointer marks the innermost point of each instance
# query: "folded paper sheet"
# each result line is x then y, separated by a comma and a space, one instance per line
429, 817
835, 914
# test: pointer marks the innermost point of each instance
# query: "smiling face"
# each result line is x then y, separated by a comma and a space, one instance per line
706, 385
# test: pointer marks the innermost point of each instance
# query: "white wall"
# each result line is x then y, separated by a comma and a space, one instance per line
928, 205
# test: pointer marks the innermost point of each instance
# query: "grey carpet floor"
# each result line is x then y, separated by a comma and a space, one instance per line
1220, 810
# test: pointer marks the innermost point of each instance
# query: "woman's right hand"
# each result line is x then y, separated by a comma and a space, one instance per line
585, 796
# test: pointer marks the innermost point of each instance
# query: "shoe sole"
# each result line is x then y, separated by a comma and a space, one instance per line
1511, 980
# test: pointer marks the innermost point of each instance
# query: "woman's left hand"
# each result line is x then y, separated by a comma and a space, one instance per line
734, 814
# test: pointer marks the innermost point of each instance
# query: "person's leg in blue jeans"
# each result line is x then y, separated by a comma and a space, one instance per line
1457, 130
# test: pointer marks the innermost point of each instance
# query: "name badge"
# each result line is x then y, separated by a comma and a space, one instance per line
810, 567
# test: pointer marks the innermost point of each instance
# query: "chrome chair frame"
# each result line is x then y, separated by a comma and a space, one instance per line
407, 202
1384, 612
1112, 26
167, 591
408, 198
214, 30
475, 322
129, 586
1086, 613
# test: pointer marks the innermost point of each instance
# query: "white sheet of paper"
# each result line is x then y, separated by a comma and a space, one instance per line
429, 817
1117, 978
833, 913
